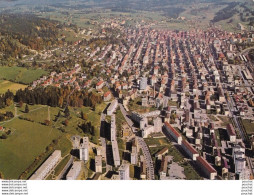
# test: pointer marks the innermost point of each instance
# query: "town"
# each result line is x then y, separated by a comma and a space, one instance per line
177, 106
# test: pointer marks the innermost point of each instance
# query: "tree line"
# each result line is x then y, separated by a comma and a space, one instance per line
58, 97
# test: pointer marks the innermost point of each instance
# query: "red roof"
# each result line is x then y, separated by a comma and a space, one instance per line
172, 129
204, 163
107, 94
99, 83
189, 147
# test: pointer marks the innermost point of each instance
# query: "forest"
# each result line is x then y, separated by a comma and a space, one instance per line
226, 13
21, 32
58, 97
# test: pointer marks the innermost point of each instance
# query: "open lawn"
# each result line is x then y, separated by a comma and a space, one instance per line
249, 127
225, 120
20, 74
190, 172
136, 106
30, 139
156, 142
8, 85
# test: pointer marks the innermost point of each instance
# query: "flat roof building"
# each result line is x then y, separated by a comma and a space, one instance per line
47, 166
84, 149
75, 171
113, 128
116, 155
98, 164
124, 172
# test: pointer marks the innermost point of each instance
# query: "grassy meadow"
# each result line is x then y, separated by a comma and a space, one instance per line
20, 74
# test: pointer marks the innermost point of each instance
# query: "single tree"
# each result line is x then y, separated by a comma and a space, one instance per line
66, 122
20, 104
47, 122
67, 112
26, 109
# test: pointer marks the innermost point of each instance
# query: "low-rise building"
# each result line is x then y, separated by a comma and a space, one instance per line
107, 96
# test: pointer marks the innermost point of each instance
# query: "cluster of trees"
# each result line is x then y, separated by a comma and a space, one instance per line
6, 116
57, 97
226, 13
88, 128
5, 135
9, 47
21, 32
6, 99
45, 96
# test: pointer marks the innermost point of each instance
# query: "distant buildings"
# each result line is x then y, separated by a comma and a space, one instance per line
143, 83
47, 166
99, 85
231, 133
107, 96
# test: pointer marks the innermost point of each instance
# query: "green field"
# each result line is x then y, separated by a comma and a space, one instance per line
27, 141
249, 127
135, 105
8, 85
30, 139
20, 75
